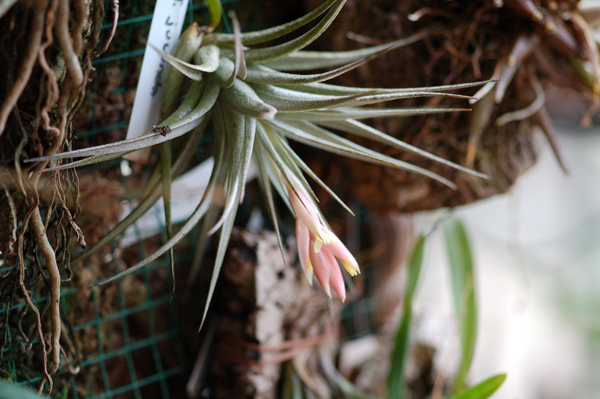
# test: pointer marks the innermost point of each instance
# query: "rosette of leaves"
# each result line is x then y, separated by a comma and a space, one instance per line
530, 46
256, 106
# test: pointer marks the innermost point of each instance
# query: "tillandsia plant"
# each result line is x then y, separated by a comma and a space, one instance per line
256, 106
46, 53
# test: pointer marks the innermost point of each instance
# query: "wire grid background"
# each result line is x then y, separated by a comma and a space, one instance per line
129, 356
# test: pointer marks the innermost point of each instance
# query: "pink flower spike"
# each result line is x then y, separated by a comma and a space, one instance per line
303, 243
322, 264
338, 249
308, 213
336, 280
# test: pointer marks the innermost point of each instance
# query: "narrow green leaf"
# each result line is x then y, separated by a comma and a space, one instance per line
265, 184
203, 240
166, 169
349, 390
186, 47
330, 89
285, 100
311, 60
297, 160
245, 100
401, 342
463, 288
275, 157
194, 71
178, 128
248, 149
239, 61
9, 390
215, 11
150, 198
264, 75
292, 386
231, 125
207, 58
343, 113
278, 51
483, 390
214, 185
276, 32
366, 131
321, 138
221, 250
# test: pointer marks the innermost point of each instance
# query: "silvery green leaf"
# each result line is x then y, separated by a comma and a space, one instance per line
280, 145
261, 74
179, 128
362, 130
278, 51
151, 196
329, 89
265, 184
311, 60
248, 148
343, 113
231, 125
217, 175
321, 138
193, 71
273, 156
297, 160
276, 32
239, 60
203, 240
207, 58
286, 100
266, 136
245, 100
276, 181
368, 99
166, 168
186, 47
290, 100
221, 250
84, 162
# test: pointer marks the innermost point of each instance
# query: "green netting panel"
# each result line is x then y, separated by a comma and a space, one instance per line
130, 340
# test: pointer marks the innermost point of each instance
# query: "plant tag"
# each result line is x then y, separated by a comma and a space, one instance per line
167, 23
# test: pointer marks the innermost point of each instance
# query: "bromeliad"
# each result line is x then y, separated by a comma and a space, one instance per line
256, 106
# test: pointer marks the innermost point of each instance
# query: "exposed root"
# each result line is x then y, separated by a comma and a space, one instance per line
50, 74
54, 274
36, 32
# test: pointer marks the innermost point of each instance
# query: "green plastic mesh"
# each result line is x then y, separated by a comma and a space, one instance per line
127, 359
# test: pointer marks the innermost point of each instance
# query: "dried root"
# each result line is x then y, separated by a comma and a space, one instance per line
45, 84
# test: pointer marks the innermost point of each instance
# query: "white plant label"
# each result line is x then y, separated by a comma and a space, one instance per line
167, 23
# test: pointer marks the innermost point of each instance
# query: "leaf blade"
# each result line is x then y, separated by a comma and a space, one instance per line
395, 380
463, 289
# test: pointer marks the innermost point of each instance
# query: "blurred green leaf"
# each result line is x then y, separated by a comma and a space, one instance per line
395, 376
9, 390
483, 390
215, 11
348, 389
463, 287
292, 386
64, 394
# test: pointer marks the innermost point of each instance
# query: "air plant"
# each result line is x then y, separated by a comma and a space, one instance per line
256, 107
